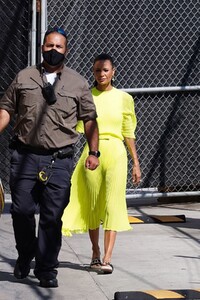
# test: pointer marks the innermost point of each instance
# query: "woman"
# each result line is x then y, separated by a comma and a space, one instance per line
98, 197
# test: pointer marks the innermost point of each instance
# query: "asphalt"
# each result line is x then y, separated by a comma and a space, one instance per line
152, 257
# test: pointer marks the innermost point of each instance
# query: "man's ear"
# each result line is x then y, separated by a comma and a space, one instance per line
66, 52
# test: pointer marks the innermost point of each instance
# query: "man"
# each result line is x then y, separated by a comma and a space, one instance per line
47, 99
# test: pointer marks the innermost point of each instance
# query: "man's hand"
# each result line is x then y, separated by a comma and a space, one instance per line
92, 162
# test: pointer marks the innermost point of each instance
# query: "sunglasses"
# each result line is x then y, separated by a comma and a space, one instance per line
56, 29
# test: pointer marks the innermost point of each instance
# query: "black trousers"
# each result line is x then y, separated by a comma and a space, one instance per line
29, 196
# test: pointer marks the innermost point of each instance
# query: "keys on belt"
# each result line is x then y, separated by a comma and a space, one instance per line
45, 174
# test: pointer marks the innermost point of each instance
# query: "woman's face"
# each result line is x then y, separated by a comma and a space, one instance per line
103, 74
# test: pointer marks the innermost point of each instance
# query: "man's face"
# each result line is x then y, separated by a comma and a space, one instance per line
55, 41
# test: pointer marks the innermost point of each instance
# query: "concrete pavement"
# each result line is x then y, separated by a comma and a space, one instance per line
150, 257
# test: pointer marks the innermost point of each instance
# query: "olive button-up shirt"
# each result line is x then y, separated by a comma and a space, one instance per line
44, 125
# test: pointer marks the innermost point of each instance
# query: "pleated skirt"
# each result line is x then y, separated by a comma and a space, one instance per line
99, 197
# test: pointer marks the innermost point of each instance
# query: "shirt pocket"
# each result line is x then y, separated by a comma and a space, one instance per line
66, 105
29, 96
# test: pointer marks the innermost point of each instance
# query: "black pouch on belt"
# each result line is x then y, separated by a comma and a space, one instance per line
66, 152
13, 143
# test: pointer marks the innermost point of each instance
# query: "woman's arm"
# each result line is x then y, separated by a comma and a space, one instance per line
136, 173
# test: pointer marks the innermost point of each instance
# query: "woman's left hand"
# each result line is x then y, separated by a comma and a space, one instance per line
136, 174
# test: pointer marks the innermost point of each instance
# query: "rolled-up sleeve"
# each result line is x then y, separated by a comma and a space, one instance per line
9, 99
87, 108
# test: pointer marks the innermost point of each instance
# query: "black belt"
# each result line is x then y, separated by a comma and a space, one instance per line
64, 152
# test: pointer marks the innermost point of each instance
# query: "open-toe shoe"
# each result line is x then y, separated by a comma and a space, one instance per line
107, 268
96, 264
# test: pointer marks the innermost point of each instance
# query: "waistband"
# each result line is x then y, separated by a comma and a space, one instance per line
64, 152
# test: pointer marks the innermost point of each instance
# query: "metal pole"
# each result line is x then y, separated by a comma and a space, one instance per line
33, 34
38, 35
162, 89
43, 19
139, 195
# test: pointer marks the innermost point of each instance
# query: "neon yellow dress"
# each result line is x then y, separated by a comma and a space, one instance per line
99, 196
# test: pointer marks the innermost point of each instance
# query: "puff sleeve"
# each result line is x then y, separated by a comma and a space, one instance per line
129, 117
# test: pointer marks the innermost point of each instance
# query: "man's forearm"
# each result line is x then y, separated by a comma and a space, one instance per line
4, 119
92, 134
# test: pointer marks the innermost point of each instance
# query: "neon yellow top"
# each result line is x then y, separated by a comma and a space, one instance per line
116, 114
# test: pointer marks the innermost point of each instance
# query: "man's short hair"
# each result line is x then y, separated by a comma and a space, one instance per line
55, 29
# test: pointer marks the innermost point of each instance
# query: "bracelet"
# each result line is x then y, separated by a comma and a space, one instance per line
94, 153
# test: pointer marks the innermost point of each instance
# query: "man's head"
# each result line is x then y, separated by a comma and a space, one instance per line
54, 48
54, 30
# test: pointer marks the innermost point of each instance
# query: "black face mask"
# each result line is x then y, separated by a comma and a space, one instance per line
53, 57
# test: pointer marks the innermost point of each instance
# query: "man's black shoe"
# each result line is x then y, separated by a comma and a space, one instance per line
49, 283
20, 272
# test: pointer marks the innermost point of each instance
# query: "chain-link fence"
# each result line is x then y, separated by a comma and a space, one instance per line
15, 20
14, 39
168, 140
154, 44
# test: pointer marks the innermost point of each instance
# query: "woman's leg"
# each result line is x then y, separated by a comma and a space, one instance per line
94, 238
109, 242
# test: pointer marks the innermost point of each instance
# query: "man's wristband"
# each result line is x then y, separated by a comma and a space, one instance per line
94, 153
